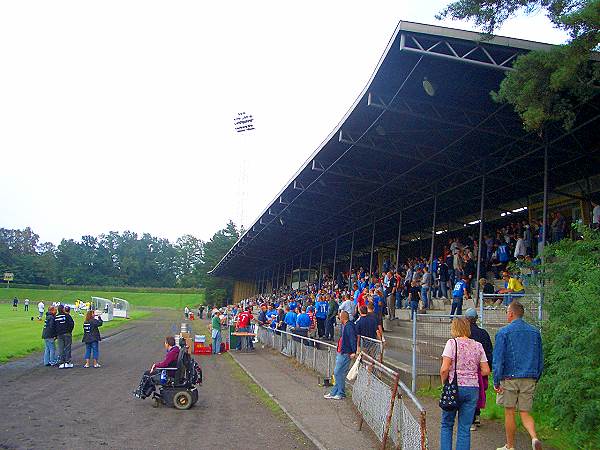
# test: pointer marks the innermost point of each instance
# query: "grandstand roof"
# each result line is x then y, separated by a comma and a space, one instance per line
424, 126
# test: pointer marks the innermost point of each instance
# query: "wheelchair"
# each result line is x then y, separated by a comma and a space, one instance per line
180, 387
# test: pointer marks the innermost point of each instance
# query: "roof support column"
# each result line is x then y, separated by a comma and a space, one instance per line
309, 266
480, 244
278, 274
291, 273
333, 277
398, 243
545, 206
283, 274
321, 269
300, 272
350, 271
435, 197
272, 279
372, 248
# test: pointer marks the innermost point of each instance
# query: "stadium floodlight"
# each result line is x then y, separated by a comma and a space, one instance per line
243, 122
429, 87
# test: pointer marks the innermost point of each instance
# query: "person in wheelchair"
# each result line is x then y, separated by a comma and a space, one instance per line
176, 377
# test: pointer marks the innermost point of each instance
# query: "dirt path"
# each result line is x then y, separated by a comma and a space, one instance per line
93, 408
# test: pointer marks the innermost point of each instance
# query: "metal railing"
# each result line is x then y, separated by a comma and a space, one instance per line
372, 347
382, 400
492, 310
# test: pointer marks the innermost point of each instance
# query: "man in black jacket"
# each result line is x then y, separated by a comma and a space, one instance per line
483, 337
64, 328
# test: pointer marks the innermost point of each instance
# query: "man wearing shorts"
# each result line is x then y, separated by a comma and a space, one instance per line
518, 364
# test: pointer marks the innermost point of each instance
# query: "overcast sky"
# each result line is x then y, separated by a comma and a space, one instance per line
119, 115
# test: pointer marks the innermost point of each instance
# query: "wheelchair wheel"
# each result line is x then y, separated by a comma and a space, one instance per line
182, 400
155, 402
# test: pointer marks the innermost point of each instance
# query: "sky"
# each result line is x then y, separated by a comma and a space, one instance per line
118, 115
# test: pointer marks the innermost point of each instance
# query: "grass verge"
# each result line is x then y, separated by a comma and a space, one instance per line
150, 299
20, 336
544, 421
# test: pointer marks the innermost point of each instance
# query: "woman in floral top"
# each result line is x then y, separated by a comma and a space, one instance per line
471, 358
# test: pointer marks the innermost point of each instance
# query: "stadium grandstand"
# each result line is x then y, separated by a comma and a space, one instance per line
423, 154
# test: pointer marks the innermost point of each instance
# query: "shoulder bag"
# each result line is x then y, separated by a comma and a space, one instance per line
449, 398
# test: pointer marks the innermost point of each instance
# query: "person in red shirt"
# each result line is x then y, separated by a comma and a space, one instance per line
243, 325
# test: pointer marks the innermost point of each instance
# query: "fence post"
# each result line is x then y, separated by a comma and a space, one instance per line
388, 420
301, 343
329, 363
315, 356
423, 431
540, 310
414, 354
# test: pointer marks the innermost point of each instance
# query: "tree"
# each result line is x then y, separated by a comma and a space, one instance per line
546, 86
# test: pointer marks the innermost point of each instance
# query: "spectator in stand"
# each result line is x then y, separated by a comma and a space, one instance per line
595, 213
91, 337
290, 317
483, 337
302, 323
469, 269
281, 325
322, 308
467, 358
512, 285
503, 254
527, 238
520, 249
64, 328
425, 287
349, 306
346, 350
518, 365
332, 312
443, 278
459, 293
558, 227
414, 295
390, 295
49, 336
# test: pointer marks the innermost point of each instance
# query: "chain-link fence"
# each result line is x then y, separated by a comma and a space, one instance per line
383, 401
431, 331
372, 347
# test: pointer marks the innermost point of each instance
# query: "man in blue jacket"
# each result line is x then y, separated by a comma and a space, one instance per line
346, 350
322, 308
518, 364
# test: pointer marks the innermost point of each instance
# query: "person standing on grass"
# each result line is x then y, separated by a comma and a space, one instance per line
215, 326
91, 337
346, 350
15, 303
518, 365
467, 358
49, 335
41, 308
64, 328
26, 304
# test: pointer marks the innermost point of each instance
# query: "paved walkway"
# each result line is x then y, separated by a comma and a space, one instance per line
331, 424
93, 408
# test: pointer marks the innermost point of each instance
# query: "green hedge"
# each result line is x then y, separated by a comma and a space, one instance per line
61, 287
569, 384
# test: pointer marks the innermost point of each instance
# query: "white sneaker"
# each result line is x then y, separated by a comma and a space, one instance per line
536, 444
328, 396
504, 447
69, 365
62, 366
473, 427
337, 397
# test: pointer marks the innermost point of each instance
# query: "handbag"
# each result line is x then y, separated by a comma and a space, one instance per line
353, 372
449, 397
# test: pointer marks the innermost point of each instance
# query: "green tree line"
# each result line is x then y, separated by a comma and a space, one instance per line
118, 259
